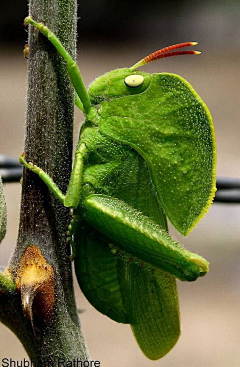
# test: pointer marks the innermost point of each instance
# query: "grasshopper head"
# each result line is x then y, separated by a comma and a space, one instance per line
118, 83
127, 81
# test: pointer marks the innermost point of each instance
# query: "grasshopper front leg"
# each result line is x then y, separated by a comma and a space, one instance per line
83, 102
72, 197
44, 176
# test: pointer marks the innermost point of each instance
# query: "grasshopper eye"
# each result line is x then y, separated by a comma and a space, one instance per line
134, 80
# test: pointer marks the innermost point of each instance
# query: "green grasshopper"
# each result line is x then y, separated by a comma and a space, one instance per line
146, 152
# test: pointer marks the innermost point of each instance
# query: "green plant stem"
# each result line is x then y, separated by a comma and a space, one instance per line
43, 220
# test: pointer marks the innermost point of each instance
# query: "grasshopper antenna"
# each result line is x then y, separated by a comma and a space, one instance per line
164, 52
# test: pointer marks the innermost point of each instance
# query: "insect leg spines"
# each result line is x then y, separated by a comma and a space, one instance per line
73, 70
70, 237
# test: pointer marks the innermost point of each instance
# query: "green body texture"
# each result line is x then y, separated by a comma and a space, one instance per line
146, 152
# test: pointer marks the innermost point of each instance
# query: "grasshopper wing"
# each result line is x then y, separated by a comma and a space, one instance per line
97, 273
151, 301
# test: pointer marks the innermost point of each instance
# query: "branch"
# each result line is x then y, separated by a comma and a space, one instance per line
42, 312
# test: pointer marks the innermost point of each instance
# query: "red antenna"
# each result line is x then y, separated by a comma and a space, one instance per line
164, 52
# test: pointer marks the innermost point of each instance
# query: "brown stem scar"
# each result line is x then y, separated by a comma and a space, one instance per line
35, 283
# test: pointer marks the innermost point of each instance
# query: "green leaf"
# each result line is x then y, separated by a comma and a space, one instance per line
3, 213
171, 127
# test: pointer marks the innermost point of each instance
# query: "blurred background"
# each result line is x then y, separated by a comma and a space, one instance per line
115, 34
